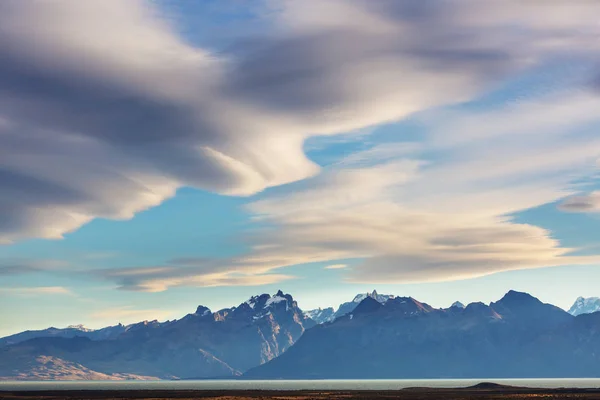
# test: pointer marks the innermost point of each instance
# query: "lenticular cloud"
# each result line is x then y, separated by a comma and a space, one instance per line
106, 111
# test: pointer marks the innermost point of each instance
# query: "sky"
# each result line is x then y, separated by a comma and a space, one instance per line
158, 155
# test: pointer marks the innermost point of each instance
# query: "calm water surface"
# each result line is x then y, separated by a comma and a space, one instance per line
383, 384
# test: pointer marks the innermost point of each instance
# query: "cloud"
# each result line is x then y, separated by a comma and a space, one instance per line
107, 112
452, 220
419, 218
414, 217
582, 203
336, 266
18, 266
199, 273
36, 291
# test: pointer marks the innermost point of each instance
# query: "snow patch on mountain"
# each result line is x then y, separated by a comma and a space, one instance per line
585, 306
251, 302
382, 298
274, 300
346, 308
458, 304
320, 315
80, 327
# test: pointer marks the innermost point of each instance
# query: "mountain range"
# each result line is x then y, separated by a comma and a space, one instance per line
372, 336
202, 344
109, 332
515, 337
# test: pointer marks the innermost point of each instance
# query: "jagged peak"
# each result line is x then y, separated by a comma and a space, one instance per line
264, 300
581, 299
202, 311
79, 327
585, 305
255, 301
360, 297
259, 306
458, 304
382, 298
276, 299
368, 305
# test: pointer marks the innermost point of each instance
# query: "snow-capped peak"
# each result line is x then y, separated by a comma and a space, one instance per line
202, 311
79, 327
382, 298
359, 297
260, 305
252, 301
458, 304
585, 306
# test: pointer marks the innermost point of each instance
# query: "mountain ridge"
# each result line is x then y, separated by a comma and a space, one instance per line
201, 344
516, 336
269, 337
330, 314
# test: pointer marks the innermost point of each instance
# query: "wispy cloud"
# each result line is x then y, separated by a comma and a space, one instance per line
336, 266
36, 291
582, 203
414, 220
74, 150
74, 147
447, 218
19, 266
212, 275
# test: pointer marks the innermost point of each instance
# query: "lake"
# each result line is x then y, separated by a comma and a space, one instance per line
350, 384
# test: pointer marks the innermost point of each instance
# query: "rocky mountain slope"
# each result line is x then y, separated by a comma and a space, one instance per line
517, 336
321, 315
202, 344
348, 307
269, 337
328, 314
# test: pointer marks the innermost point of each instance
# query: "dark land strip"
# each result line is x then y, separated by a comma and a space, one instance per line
482, 391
